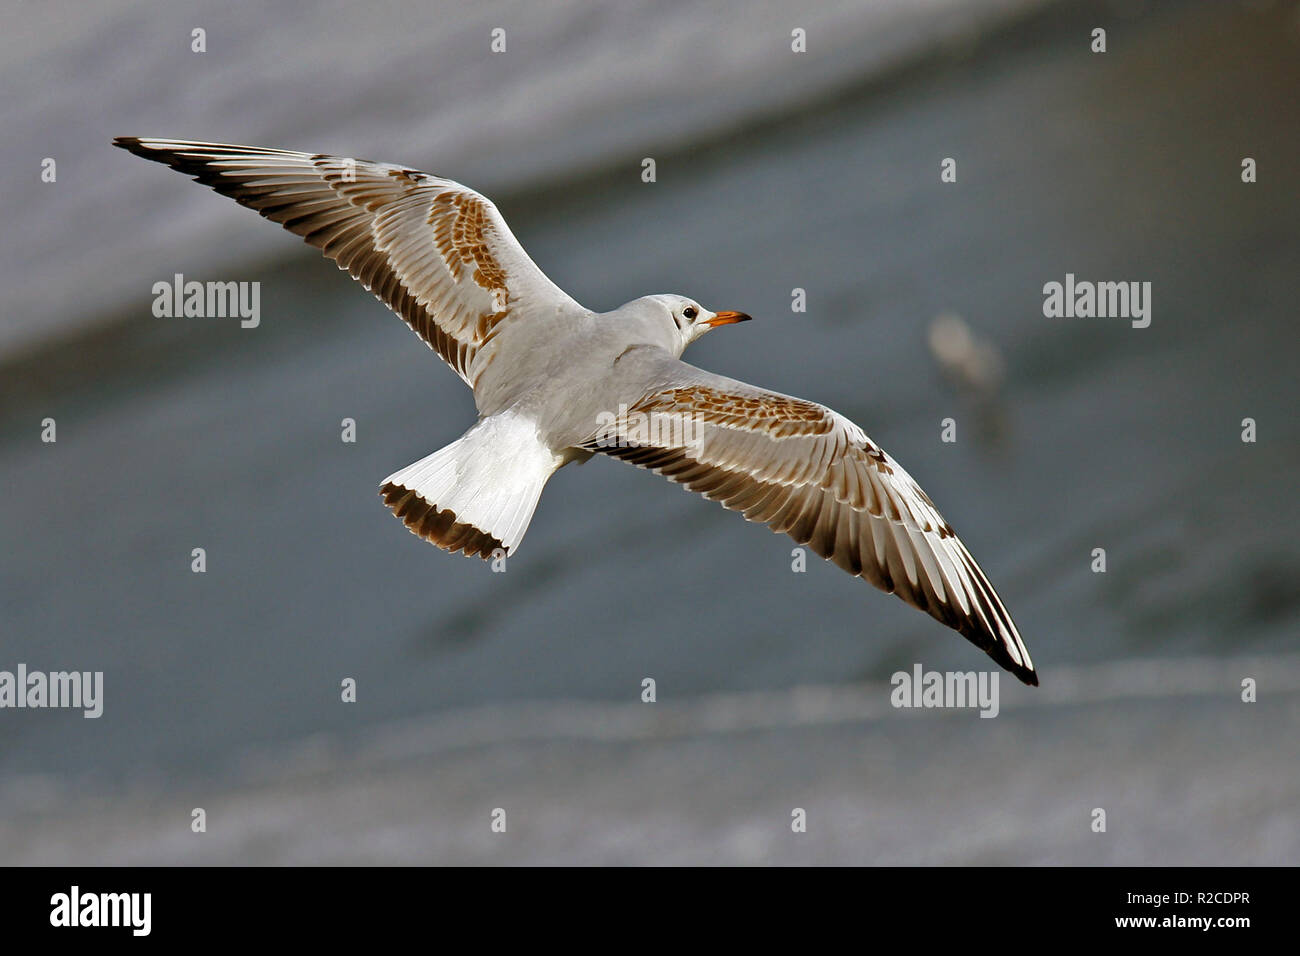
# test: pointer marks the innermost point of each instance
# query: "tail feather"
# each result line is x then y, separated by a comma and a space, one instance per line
478, 494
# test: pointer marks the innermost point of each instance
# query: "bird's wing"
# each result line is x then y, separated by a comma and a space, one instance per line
436, 253
809, 472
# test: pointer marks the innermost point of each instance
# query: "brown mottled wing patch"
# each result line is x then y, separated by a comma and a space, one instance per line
436, 253
777, 415
438, 526
812, 474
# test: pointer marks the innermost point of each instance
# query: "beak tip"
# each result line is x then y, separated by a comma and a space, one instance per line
728, 318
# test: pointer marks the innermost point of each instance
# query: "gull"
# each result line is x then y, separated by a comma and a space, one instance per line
555, 383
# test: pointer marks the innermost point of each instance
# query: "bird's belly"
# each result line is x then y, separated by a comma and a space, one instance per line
563, 384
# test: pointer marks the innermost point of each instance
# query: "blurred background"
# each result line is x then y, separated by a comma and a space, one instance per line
775, 170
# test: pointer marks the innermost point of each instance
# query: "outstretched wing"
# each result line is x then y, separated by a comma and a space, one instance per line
806, 471
436, 253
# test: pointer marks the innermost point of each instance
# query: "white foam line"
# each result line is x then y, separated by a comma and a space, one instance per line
819, 705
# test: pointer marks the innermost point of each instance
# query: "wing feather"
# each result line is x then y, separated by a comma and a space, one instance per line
808, 472
435, 252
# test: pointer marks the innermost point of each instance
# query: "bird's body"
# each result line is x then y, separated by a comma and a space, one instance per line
555, 382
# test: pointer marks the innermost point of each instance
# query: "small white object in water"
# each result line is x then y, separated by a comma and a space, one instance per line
970, 362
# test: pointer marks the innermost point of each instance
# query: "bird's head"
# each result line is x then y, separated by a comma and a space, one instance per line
685, 319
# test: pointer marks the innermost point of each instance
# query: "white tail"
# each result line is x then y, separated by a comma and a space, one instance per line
478, 494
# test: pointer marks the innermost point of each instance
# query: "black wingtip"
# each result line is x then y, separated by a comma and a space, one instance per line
132, 144
1026, 675
1002, 657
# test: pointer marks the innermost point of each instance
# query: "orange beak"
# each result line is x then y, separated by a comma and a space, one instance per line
727, 318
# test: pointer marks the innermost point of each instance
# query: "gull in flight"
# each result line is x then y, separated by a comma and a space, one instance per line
555, 382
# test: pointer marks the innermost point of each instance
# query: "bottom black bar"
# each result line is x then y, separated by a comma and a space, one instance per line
331, 905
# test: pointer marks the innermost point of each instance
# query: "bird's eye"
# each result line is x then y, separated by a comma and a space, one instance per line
690, 312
